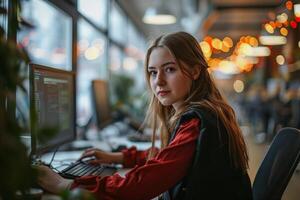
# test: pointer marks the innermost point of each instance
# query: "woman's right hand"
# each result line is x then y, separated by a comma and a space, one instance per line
103, 156
51, 181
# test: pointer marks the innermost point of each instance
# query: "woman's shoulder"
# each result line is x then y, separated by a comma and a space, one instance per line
207, 117
190, 116
194, 112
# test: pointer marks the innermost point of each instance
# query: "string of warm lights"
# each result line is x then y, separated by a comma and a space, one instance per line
245, 53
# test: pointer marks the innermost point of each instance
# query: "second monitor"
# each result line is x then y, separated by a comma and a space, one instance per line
101, 103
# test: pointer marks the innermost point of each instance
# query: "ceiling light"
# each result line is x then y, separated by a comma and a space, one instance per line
272, 40
280, 59
297, 10
258, 51
238, 86
158, 16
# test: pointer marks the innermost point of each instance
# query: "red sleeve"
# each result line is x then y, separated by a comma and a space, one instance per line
134, 157
158, 174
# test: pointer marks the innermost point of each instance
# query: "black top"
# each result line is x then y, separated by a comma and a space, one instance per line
212, 175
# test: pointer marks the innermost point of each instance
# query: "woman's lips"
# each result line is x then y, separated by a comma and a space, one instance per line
163, 93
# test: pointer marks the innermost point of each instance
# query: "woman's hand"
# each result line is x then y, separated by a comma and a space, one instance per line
51, 181
103, 157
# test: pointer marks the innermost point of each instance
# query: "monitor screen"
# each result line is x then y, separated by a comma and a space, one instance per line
52, 95
101, 104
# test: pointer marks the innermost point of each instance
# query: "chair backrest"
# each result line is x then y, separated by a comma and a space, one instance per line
278, 165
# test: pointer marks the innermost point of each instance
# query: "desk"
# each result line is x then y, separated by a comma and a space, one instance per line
110, 142
64, 158
124, 141
48, 196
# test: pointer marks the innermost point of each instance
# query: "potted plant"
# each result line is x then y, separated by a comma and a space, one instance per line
15, 171
17, 176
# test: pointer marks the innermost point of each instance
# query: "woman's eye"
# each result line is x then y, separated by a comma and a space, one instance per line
170, 69
152, 73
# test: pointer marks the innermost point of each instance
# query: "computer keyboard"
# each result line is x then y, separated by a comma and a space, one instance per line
82, 168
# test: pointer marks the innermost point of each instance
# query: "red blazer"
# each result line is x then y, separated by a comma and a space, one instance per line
151, 178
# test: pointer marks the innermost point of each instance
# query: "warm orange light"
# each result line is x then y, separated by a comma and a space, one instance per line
205, 47
253, 42
242, 39
238, 86
227, 41
224, 48
289, 5
228, 67
92, 53
208, 39
278, 24
269, 28
213, 63
284, 31
216, 43
244, 48
280, 59
273, 24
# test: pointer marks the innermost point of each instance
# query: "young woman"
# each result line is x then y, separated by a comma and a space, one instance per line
203, 154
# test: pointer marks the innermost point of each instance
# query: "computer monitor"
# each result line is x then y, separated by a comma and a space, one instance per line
100, 101
52, 95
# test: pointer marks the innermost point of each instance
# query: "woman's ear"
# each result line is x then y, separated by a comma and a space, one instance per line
196, 72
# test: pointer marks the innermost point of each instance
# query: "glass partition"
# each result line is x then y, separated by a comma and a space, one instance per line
94, 10
50, 42
92, 65
3, 18
118, 24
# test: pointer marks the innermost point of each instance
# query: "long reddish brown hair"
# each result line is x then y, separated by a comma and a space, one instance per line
203, 93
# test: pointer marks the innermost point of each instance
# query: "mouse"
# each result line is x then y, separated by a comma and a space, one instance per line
87, 159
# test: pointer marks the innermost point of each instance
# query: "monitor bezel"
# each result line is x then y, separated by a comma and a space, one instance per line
37, 151
97, 112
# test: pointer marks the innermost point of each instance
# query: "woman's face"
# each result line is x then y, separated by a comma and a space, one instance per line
169, 84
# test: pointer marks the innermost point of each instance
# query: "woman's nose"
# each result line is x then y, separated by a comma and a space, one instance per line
160, 79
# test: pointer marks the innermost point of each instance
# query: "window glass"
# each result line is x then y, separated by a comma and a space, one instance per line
132, 81
115, 66
3, 18
115, 59
95, 10
135, 53
133, 67
91, 65
50, 42
135, 46
118, 26
133, 36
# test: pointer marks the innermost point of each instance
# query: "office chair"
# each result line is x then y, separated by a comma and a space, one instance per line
278, 165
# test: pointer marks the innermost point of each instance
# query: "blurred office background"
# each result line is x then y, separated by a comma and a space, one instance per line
251, 46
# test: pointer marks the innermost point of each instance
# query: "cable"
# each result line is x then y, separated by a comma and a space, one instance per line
53, 157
